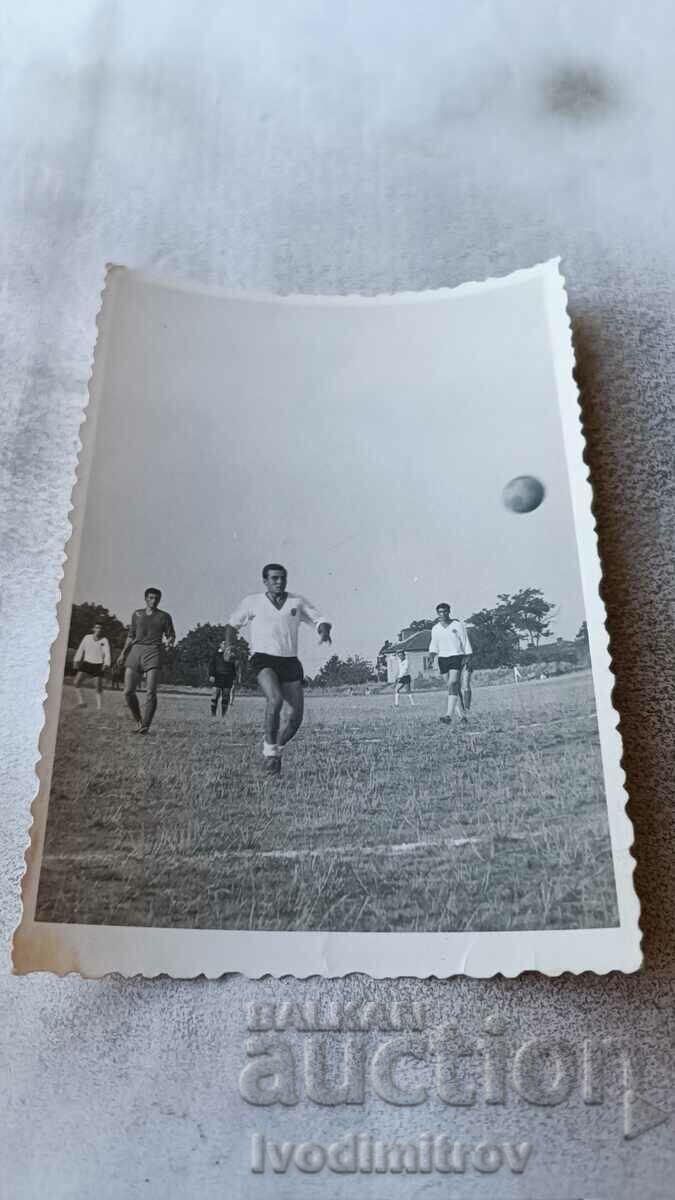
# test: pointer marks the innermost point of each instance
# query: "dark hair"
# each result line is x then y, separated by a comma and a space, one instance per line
273, 567
443, 605
152, 591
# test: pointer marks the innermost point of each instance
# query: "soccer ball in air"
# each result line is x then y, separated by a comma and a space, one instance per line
523, 494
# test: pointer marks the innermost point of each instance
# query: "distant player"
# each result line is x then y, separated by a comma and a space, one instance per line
275, 616
222, 677
92, 658
150, 629
450, 641
404, 680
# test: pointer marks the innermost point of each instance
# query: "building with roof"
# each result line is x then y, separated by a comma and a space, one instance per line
415, 642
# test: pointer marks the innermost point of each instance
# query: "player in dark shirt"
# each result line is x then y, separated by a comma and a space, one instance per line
222, 677
149, 630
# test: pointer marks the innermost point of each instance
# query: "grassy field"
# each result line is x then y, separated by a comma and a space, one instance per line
383, 819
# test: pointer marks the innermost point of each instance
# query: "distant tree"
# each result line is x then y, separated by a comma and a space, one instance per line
338, 671
530, 614
193, 653
582, 645
422, 623
83, 617
493, 638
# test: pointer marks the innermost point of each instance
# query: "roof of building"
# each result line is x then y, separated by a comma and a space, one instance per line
417, 641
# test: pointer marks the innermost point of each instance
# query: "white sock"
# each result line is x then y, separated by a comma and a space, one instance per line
99, 701
452, 705
80, 699
270, 750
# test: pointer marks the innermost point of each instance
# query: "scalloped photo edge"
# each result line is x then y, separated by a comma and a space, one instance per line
299, 341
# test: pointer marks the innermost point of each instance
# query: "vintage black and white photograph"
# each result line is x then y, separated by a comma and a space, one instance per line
332, 663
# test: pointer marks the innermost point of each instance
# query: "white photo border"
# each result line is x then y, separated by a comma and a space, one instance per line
97, 950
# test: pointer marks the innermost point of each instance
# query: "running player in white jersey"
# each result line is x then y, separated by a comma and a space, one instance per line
450, 641
275, 616
404, 680
92, 658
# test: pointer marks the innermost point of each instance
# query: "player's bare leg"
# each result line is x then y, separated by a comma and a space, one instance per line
99, 692
130, 685
292, 711
215, 696
150, 706
81, 703
466, 690
274, 697
454, 696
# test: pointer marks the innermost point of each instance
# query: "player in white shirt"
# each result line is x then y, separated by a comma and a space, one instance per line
450, 641
92, 658
404, 680
275, 616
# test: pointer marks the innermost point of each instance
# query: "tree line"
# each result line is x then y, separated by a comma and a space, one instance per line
510, 632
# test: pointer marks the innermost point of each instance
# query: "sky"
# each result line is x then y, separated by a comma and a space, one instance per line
365, 447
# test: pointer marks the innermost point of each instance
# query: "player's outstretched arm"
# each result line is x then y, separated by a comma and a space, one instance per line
311, 616
241, 616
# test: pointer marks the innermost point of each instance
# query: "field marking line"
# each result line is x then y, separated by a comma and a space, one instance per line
99, 856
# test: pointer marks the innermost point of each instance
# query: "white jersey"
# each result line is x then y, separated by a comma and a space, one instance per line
447, 641
403, 668
275, 630
93, 650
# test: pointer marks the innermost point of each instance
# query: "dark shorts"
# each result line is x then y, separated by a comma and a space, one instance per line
454, 663
404, 682
143, 658
94, 669
287, 670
